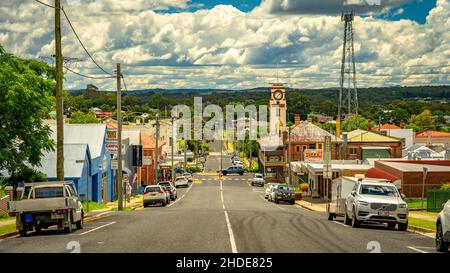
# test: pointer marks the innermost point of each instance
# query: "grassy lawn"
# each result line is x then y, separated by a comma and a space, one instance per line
425, 213
124, 209
7, 229
416, 203
93, 206
422, 223
4, 219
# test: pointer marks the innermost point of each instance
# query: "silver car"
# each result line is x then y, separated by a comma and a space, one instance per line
181, 181
154, 194
258, 180
376, 202
269, 187
443, 229
188, 177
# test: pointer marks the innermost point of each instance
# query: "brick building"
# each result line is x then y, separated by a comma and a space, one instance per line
148, 170
363, 144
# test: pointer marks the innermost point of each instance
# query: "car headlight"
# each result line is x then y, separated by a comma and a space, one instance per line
403, 206
363, 204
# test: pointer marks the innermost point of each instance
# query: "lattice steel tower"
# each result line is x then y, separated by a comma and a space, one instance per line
348, 70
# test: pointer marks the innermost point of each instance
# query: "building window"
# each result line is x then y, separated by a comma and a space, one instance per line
353, 151
319, 146
312, 146
297, 148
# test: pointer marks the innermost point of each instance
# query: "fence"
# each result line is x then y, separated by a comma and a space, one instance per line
4, 204
436, 199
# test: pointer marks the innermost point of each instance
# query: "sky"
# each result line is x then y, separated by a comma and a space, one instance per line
231, 44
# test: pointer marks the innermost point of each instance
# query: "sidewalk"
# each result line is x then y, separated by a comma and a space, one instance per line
312, 205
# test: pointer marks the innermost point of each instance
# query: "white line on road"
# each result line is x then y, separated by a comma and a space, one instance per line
280, 207
97, 228
178, 199
415, 249
230, 230
341, 224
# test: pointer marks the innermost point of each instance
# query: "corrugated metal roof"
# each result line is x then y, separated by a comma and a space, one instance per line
426, 133
377, 173
409, 167
149, 142
133, 135
389, 127
92, 134
72, 153
366, 136
308, 132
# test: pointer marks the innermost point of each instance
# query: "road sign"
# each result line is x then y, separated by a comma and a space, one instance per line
137, 155
114, 164
113, 147
111, 135
147, 160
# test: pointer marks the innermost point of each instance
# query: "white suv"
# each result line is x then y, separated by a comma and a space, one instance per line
443, 229
376, 202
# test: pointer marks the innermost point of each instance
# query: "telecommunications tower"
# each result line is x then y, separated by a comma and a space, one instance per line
348, 71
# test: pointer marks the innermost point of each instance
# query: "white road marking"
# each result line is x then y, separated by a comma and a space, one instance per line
178, 199
103, 213
415, 249
227, 219
280, 207
341, 224
97, 228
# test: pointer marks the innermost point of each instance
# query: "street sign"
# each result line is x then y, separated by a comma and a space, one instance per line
313, 155
113, 147
114, 164
111, 135
137, 155
147, 160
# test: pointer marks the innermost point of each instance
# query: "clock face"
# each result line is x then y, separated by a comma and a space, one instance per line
278, 95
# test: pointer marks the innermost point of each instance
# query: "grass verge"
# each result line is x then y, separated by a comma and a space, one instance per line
7, 229
416, 203
422, 223
93, 206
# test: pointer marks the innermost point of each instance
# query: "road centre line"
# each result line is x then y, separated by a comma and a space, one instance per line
97, 228
178, 199
227, 220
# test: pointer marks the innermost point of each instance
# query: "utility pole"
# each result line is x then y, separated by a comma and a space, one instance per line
289, 156
58, 96
119, 138
185, 155
157, 125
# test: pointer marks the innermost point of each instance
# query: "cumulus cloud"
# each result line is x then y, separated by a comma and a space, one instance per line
226, 48
326, 6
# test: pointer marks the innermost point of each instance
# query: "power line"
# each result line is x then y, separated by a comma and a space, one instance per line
42, 3
81, 43
86, 76
124, 83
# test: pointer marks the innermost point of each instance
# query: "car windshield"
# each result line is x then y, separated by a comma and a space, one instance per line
152, 189
284, 187
258, 176
180, 178
378, 190
48, 192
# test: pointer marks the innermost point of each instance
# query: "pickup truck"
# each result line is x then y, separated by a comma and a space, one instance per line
47, 204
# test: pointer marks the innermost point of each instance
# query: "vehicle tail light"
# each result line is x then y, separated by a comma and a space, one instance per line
12, 214
146, 192
160, 192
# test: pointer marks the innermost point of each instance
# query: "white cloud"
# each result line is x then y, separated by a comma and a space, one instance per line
161, 50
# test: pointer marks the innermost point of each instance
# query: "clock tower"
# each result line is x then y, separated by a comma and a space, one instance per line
278, 108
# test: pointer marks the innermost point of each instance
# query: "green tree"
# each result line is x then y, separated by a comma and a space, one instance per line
423, 121
355, 122
81, 118
25, 90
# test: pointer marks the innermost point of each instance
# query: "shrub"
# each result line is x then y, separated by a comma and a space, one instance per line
446, 187
304, 187
193, 169
3, 215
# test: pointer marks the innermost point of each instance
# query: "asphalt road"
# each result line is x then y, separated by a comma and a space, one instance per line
221, 216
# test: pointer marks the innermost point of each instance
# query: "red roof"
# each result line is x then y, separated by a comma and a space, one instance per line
389, 127
111, 125
425, 133
149, 142
377, 173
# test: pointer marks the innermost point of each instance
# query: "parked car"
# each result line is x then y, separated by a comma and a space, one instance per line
154, 194
181, 181
443, 229
269, 187
47, 204
283, 193
171, 189
236, 161
258, 180
376, 202
233, 170
188, 176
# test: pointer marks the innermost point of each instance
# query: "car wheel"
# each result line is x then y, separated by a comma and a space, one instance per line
391, 225
277, 201
38, 228
224, 173
241, 173
355, 222
441, 245
80, 224
145, 205
403, 226
347, 220
23, 232
163, 203
330, 216
293, 202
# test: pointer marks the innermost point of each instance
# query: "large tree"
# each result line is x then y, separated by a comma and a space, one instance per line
26, 87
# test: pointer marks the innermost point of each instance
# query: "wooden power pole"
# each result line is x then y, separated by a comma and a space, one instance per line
59, 96
119, 139
157, 125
